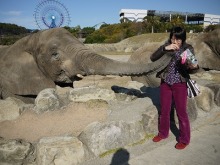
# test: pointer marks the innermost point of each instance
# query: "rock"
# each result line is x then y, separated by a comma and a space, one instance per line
102, 47
87, 93
150, 120
135, 85
125, 94
11, 108
14, 151
102, 137
192, 109
63, 94
96, 103
216, 89
46, 100
128, 121
205, 100
61, 151
129, 50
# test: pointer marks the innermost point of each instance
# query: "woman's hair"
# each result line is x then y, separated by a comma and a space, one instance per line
179, 33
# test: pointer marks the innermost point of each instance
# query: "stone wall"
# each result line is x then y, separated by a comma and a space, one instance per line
126, 124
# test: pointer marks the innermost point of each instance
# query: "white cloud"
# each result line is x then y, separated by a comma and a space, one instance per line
12, 13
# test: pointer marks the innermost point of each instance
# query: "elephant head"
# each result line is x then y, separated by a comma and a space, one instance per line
49, 57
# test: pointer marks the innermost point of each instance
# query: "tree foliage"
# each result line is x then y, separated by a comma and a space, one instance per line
10, 33
151, 24
109, 33
12, 29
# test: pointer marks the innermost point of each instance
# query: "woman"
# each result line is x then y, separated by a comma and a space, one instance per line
173, 86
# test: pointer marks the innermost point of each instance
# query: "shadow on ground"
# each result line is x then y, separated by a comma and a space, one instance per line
120, 157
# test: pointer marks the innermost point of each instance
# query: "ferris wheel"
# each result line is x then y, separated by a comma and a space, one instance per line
51, 14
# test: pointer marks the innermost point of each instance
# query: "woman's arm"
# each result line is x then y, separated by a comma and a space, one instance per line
159, 53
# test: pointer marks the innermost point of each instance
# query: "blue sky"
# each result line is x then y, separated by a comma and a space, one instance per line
87, 13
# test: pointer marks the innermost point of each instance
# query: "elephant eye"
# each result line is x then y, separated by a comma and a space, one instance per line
55, 55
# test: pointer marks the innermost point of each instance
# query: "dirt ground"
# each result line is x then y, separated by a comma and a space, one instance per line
69, 120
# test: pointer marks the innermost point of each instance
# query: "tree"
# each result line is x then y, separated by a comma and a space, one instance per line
88, 30
177, 20
152, 21
12, 29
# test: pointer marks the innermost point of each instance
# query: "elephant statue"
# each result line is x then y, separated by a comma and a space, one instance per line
207, 50
55, 57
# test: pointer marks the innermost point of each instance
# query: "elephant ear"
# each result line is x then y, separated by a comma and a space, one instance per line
22, 75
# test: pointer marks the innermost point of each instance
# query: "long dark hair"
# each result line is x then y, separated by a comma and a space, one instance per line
179, 33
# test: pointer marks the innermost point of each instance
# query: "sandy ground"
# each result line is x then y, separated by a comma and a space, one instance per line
69, 120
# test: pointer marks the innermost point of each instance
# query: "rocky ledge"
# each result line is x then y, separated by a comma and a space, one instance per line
132, 112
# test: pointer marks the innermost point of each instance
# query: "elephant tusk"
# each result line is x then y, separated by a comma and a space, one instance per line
80, 76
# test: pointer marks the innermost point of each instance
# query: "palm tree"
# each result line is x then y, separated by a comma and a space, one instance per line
152, 21
177, 20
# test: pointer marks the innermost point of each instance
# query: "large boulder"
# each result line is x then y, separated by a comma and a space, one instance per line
102, 137
46, 100
216, 89
61, 150
14, 151
11, 108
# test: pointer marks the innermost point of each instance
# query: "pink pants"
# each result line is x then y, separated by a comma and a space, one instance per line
178, 92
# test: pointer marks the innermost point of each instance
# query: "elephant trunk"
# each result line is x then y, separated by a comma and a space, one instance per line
91, 64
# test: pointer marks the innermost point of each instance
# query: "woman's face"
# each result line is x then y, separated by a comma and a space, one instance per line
176, 41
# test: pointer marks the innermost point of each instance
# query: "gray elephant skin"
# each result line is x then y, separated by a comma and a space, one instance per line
55, 57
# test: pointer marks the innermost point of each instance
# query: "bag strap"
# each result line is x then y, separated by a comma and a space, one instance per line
189, 82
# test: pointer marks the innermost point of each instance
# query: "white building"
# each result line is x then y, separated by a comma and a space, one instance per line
136, 15
210, 19
133, 15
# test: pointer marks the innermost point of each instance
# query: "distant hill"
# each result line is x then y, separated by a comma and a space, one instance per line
10, 33
12, 29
